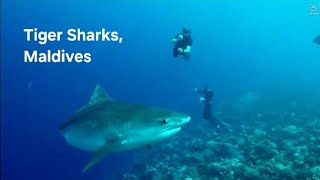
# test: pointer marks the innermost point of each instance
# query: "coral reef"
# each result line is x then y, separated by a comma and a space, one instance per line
279, 144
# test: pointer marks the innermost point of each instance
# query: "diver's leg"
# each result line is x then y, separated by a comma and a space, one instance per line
175, 52
207, 112
208, 115
186, 56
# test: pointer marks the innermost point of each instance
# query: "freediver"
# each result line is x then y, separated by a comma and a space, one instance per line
183, 43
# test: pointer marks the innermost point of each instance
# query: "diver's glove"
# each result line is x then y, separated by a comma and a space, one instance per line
180, 50
180, 37
186, 51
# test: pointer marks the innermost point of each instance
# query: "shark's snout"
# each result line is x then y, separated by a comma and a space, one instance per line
185, 120
175, 124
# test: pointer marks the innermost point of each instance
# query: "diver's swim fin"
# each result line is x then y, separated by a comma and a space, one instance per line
225, 124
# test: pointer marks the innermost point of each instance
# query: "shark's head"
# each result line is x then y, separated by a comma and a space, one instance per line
164, 123
172, 123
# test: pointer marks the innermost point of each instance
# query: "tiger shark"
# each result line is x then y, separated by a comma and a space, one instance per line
105, 125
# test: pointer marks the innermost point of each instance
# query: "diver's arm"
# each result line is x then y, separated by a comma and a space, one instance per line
178, 38
200, 91
187, 50
174, 40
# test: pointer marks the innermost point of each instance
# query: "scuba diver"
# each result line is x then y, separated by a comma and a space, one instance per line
183, 43
207, 97
317, 40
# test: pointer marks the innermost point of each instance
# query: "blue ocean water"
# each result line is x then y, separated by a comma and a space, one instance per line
238, 47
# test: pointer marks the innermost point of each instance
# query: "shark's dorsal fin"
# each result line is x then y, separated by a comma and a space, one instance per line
98, 95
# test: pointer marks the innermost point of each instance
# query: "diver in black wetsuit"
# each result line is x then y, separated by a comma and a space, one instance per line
317, 40
183, 43
207, 97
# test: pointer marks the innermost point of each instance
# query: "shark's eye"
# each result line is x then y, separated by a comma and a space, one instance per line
164, 121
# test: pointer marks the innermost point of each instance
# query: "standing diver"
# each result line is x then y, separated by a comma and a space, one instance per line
183, 43
207, 97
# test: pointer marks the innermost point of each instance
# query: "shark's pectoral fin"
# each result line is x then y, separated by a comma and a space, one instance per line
103, 151
98, 156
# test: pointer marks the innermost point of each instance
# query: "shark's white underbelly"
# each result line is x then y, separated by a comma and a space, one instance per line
89, 140
84, 141
143, 138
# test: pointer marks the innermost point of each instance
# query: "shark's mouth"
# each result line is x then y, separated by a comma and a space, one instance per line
170, 131
185, 121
